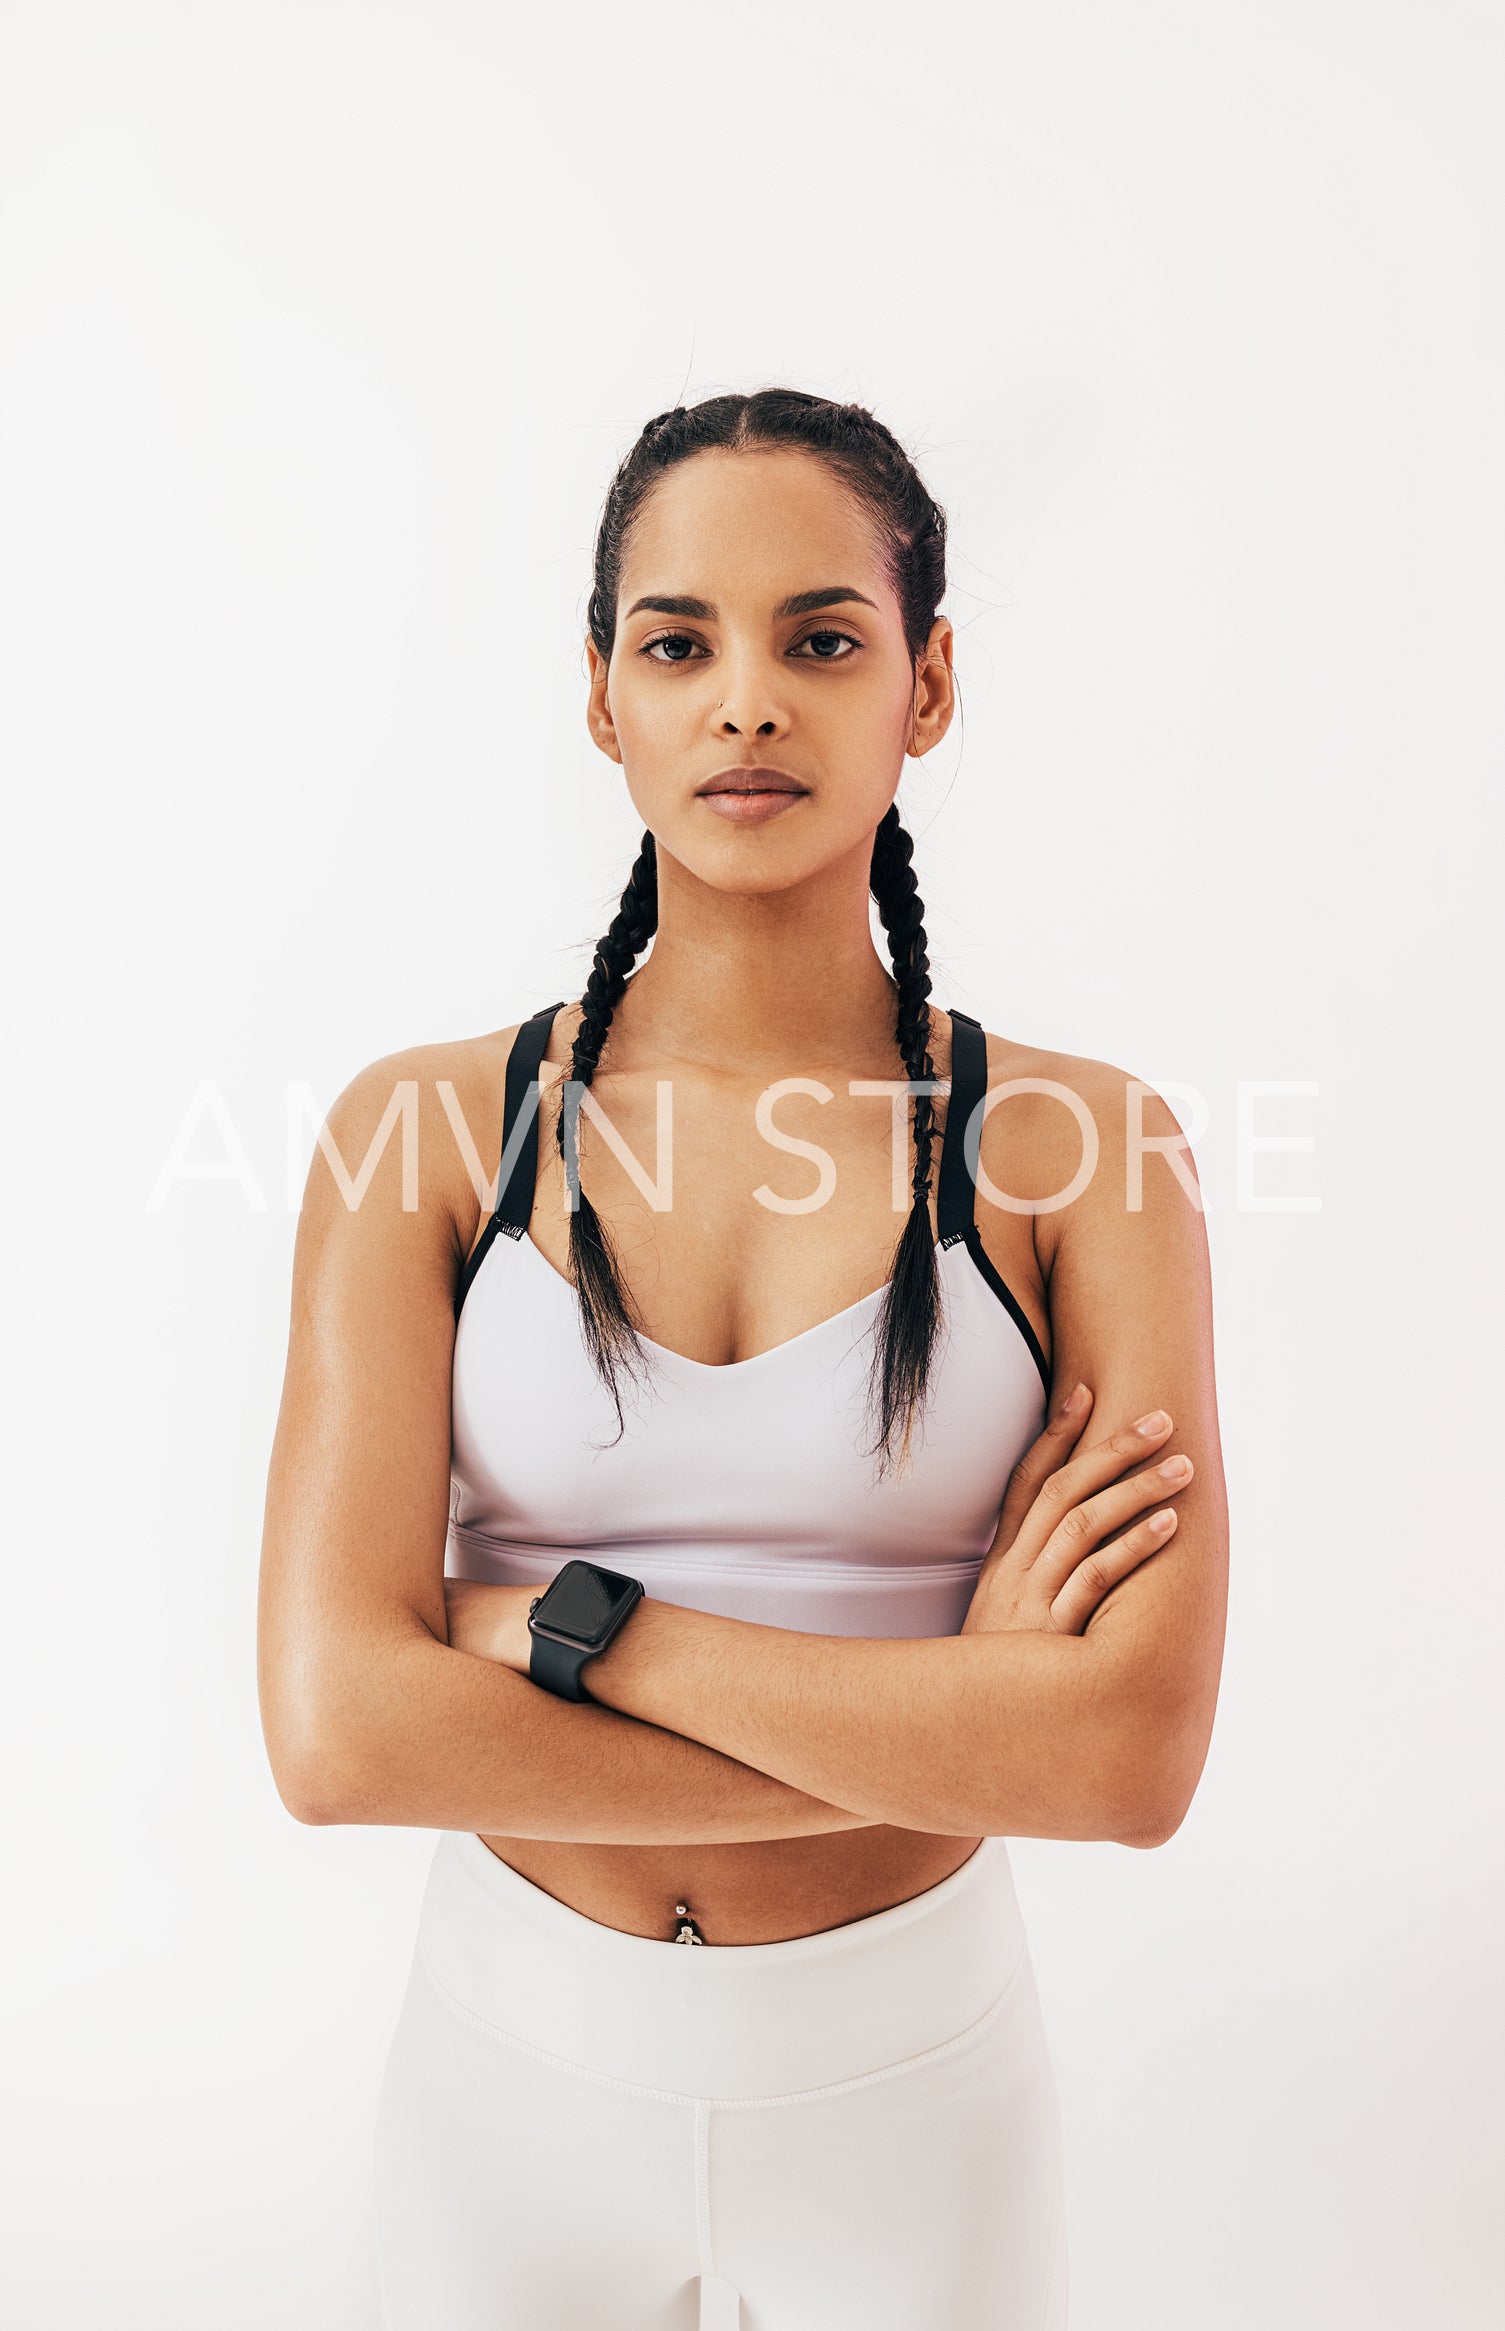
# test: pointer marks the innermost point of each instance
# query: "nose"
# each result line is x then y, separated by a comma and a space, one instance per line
731, 722
751, 704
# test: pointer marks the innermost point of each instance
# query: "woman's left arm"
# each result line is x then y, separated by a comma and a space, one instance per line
1099, 1734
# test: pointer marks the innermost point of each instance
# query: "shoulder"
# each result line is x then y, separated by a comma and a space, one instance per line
1068, 1135
470, 1067
416, 1134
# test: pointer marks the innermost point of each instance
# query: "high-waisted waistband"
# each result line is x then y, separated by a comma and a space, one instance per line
749, 2020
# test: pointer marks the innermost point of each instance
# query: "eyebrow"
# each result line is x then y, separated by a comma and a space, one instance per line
800, 603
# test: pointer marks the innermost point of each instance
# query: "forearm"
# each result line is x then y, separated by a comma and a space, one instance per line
416, 1734
1018, 1734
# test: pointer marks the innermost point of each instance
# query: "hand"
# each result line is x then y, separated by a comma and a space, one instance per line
490, 1622
1054, 1558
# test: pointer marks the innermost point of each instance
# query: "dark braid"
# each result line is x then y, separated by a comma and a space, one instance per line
873, 465
909, 1316
608, 1316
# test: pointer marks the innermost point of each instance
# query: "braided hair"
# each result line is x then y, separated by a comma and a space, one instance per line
872, 463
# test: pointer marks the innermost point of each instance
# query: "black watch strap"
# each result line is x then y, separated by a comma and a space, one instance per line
557, 1667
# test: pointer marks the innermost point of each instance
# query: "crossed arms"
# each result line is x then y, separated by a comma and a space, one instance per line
1084, 1712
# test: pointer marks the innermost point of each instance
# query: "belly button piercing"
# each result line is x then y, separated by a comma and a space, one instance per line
689, 1932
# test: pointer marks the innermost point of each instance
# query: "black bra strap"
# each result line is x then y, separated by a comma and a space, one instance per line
956, 1197
514, 1198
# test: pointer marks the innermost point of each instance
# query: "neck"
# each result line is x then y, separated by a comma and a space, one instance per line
762, 981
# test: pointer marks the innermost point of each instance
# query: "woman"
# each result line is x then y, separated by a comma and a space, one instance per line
847, 1601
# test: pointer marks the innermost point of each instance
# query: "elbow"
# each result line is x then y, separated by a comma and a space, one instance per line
300, 1749
310, 1749
1153, 1748
327, 1722
1157, 1797
1087, 1809
309, 1780
1155, 1824
310, 1799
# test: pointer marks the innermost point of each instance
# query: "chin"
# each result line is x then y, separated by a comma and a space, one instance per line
781, 854
753, 864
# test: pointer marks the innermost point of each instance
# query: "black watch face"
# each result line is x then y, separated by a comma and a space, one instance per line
584, 1602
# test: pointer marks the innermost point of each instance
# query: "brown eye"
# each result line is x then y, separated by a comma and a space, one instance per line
828, 646
673, 640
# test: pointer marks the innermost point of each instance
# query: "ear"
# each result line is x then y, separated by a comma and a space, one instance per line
597, 711
934, 692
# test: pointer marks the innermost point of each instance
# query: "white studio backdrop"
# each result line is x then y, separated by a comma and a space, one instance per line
321, 329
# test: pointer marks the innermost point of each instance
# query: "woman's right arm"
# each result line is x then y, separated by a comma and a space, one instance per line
368, 1713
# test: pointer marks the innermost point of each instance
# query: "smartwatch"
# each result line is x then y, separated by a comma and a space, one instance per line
573, 1620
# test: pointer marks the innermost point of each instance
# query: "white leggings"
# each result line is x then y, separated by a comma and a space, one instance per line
583, 2130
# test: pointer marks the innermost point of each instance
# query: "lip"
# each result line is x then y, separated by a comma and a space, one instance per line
750, 797
751, 781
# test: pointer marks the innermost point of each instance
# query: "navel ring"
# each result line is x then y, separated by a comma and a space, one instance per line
689, 1932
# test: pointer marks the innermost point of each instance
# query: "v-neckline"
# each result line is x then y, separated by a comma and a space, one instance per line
727, 1367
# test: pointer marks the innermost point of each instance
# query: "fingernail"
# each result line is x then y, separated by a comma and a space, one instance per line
1156, 1422
1174, 1469
1073, 1402
1162, 1522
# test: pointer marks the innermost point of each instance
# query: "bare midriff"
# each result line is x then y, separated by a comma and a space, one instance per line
747, 1893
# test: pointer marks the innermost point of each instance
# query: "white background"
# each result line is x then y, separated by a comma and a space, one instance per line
322, 328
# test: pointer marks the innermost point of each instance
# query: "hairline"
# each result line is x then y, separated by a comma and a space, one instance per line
832, 461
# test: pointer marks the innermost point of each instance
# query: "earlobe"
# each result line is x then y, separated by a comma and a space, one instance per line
925, 729
598, 718
603, 733
935, 690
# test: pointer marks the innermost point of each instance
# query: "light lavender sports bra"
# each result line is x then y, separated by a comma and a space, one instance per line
746, 1489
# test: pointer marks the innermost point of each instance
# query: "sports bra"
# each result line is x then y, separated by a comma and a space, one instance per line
748, 1488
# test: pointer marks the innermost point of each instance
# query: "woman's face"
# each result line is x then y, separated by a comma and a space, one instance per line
723, 673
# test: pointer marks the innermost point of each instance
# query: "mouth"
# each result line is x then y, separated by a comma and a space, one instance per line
750, 797
744, 781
